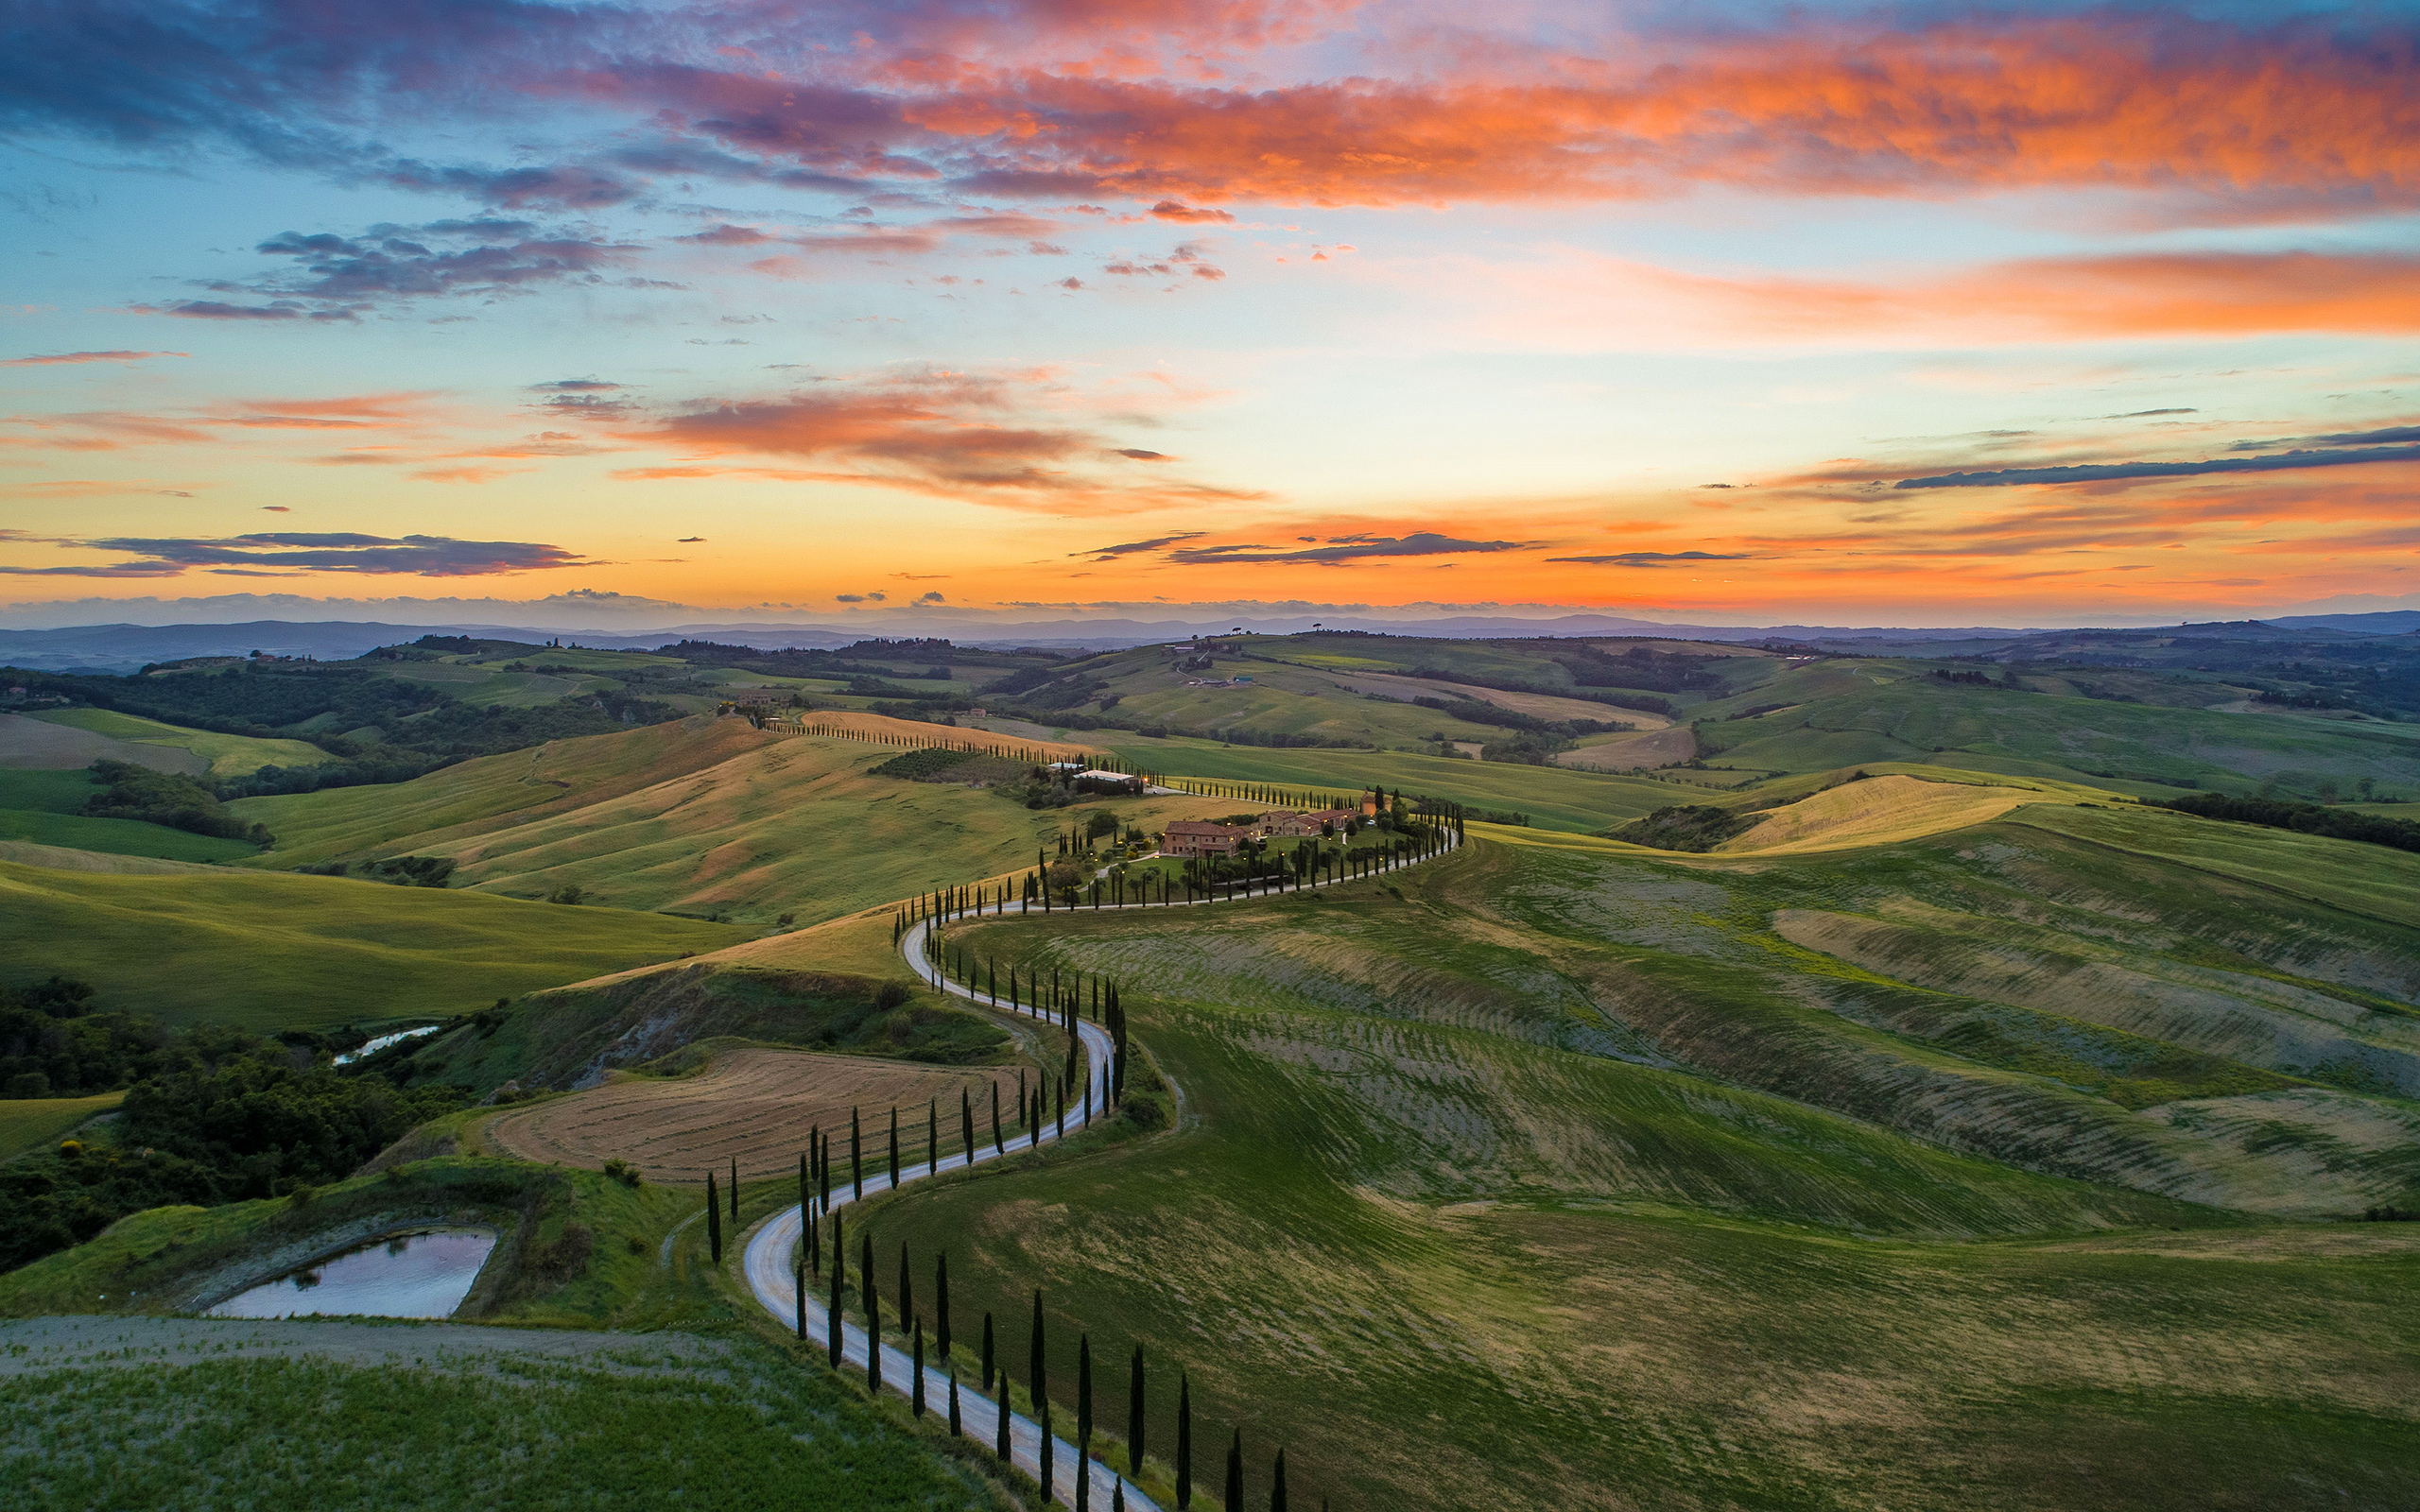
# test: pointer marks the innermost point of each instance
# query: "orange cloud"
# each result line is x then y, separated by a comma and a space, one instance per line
2134, 101
947, 433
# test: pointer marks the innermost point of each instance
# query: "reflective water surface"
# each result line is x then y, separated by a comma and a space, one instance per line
423, 1274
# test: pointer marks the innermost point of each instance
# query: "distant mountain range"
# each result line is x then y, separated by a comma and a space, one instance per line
119, 648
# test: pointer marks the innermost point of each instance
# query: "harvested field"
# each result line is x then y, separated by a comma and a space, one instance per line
1878, 811
1629, 754
41, 744
751, 1105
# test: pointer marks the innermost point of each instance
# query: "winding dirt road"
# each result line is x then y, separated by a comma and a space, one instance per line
768, 1256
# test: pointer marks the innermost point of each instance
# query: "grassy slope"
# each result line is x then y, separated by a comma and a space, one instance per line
1551, 796
1846, 712
228, 755
40, 807
270, 951
1448, 1263
705, 815
29, 1122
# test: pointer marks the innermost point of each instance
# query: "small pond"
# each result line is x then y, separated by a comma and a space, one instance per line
423, 1274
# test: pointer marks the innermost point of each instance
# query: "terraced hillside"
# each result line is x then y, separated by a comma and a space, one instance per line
2002, 1164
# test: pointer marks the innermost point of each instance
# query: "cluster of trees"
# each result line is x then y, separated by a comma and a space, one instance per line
1684, 827
418, 729
131, 792
2306, 818
211, 1115
1638, 666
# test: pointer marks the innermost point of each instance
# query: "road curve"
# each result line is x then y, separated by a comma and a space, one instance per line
767, 1258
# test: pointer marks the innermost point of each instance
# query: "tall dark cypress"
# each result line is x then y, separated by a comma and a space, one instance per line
814, 1245
1002, 1401
1038, 1384
966, 1122
734, 1189
957, 1428
869, 1293
941, 1303
1083, 1392
1041, 1411
894, 1146
1236, 1472
805, 1208
999, 1145
1134, 1443
1183, 1441
801, 1301
907, 1303
856, 1159
990, 1358
832, 1307
916, 1378
1277, 1486
714, 1220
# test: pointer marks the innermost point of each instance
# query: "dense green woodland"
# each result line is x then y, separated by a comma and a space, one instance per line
211, 1115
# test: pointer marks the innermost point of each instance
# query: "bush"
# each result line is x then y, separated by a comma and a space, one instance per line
891, 995
1684, 827
2306, 818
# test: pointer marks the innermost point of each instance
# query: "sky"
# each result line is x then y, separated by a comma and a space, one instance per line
1728, 313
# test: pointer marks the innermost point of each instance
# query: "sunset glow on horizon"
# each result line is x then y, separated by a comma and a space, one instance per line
1749, 313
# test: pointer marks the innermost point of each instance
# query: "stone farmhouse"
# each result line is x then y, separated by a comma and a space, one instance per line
1195, 837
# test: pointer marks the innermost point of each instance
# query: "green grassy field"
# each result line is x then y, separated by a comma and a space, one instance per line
704, 816
270, 951
1551, 796
1558, 1171
40, 807
736, 1427
29, 1122
1438, 1241
228, 755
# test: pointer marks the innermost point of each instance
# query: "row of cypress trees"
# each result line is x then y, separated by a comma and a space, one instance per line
951, 903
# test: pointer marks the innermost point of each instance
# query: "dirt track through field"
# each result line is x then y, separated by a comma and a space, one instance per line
754, 1106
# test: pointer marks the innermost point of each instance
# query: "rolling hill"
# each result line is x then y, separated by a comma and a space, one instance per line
267, 951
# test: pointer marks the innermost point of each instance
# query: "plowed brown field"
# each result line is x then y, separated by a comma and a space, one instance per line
756, 1107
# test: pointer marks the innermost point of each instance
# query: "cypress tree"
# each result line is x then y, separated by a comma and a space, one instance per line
906, 1302
1118, 1497
805, 1210
941, 1303
966, 1122
932, 1138
989, 1358
999, 1145
1042, 1410
1135, 1416
734, 1189
1236, 1472
1183, 1441
814, 1245
1038, 1386
872, 1297
856, 1159
840, 1283
801, 1301
894, 1146
916, 1392
1277, 1487
832, 1307
1083, 1471
1083, 1391
714, 1219
1002, 1402
957, 1428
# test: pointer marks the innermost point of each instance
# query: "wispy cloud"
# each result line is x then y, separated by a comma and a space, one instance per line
1346, 549
74, 358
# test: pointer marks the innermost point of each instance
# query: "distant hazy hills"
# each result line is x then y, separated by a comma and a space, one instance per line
126, 648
